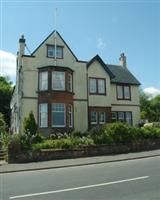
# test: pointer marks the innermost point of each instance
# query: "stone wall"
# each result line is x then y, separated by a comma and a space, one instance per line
84, 151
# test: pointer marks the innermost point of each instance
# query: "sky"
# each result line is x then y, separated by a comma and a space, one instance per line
107, 28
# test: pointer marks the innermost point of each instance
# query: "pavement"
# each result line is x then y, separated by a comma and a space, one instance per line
18, 167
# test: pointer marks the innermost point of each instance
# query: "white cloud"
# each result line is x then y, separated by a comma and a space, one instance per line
100, 43
8, 64
152, 91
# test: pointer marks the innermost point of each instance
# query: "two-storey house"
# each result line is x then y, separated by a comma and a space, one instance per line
67, 94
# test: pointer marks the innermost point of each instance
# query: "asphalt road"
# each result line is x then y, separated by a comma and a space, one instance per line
127, 180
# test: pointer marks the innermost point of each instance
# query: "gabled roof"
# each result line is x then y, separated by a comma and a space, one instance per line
98, 58
60, 38
122, 75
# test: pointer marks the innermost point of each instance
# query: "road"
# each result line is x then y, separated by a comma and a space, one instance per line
128, 180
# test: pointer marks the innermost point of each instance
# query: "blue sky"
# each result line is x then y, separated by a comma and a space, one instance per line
107, 28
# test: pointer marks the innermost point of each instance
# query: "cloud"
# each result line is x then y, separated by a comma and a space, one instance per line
152, 91
100, 43
8, 64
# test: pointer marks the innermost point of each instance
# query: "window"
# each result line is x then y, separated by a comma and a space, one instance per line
43, 81
70, 116
58, 80
51, 51
122, 116
102, 117
123, 92
43, 115
58, 115
126, 92
119, 92
92, 85
69, 82
129, 117
101, 86
93, 117
97, 86
114, 116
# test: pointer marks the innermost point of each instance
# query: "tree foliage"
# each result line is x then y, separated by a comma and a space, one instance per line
29, 124
150, 108
5, 98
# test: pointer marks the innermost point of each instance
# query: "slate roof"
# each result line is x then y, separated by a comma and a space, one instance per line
122, 75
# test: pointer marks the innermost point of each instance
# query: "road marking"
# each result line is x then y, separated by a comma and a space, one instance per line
78, 188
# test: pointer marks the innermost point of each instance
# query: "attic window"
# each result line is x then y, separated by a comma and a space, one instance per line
51, 49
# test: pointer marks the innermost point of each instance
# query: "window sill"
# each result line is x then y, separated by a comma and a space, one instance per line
104, 94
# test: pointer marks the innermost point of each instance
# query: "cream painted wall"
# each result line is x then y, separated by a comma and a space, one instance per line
134, 96
80, 116
96, 70
134, 109
43, 60
27, 106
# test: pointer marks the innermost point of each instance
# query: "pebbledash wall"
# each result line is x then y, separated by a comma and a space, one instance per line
92, 97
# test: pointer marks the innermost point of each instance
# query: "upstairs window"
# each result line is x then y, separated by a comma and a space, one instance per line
123, 92
69, 82
97, 86
58, 80
43, 81
54, 51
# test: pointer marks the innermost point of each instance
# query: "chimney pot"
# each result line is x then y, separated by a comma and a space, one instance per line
122, 60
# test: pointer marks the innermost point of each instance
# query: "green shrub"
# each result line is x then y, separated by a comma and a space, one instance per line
29, 124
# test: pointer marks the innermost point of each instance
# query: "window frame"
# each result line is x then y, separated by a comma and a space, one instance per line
64, 81
39, 121
97, 92
57, 47
100, 122
52, 121
125, 119
40, 81
123, 92
96, 122
70, 116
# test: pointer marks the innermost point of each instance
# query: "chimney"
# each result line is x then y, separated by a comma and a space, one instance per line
22, 46
123, 61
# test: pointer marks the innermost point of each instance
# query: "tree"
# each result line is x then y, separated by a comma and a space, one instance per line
5, 98
150, 108
29, 124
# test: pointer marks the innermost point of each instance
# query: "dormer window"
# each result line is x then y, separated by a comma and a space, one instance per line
54, 51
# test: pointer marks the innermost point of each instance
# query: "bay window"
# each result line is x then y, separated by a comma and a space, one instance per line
43, 115
58, 115
43, 81
58, 80
70, 116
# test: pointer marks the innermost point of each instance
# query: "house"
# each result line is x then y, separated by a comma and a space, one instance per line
65, 93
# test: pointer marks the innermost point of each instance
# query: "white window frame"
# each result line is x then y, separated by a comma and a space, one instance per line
69, 82
96, 122
41, 81
70, 113
40, 114
64, 82
102, 122
53, 125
